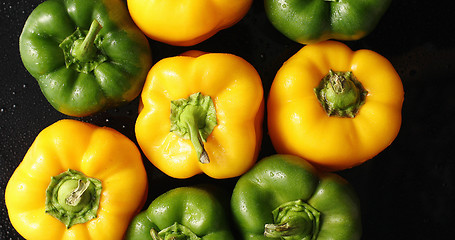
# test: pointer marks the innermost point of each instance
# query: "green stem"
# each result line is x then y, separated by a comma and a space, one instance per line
73, 198
84, 49
81, 49
194, 118
276, 231
154, 234
174, 232
295, 220
196, 140
340, 94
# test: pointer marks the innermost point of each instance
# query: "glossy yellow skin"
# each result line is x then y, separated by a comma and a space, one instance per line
101, 153
186, 22
298, 124
236, 90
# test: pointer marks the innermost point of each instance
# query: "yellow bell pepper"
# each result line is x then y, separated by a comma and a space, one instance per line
77, 181
201, 113
186, 23
333, 106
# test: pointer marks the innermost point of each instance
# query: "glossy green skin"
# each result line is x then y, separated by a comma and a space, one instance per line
116, 81
309, 21
283, 178
198, 208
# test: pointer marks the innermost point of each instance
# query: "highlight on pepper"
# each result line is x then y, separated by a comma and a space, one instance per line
335, 107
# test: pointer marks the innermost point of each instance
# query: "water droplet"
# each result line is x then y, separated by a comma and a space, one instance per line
283, 4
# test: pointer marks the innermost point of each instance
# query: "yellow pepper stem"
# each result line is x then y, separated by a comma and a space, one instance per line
341, 94
73, 198
194, 118
196, 138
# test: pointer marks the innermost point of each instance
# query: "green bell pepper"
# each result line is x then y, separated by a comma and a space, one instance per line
86, 55
309, 21
284, 197
189, 213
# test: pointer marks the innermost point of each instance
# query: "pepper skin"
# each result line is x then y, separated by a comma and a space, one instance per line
341, 136
183, 213
310, 21
285, 197
86, 55
201, 114
186, 23
45, 184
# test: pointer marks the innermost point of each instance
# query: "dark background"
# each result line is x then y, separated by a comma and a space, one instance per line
406, 192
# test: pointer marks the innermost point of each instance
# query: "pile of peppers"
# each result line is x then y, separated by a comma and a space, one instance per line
329, 109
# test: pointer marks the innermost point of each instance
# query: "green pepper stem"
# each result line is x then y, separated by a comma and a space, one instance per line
174, 232
295, 227
85, 49
294, 220
154, 234
276, 231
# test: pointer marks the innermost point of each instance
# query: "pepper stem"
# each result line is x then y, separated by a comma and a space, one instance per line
194, 118
294, 220
341, 94
174, 232
73, 198
195, 135
81, 49
154, 234
84, 49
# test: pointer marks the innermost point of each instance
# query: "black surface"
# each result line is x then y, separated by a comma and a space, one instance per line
406, 192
